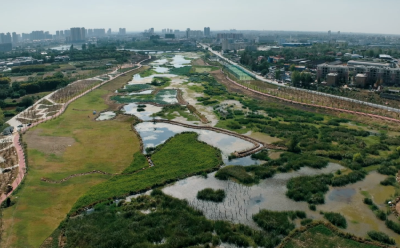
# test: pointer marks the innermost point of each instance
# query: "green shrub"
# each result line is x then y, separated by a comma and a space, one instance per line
336, 219
381, 237
263, 155
387, 170
393, 225
389, 181
209, 194
237, 172
271, 221
352, 177
306, 222
309, 188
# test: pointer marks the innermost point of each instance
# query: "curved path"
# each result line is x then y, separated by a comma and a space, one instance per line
16, 139
314, 105
257, 145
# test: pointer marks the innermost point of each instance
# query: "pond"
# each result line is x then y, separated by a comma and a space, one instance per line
160, 69
179, 61
145, 92
241, 202
106, 116
131, 109
154, 134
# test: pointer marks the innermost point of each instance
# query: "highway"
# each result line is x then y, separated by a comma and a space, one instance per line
309, 91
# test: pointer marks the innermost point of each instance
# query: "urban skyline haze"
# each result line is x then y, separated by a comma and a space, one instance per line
358, 16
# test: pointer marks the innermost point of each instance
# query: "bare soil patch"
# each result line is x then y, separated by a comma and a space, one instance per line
198, 62
7, 178
9, 156
47, 144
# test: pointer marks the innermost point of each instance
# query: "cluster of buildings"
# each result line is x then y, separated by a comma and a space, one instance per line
6, 64
8, 40
361, 73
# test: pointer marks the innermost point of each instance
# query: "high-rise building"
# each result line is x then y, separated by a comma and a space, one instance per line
15, 37
151, 31
207, 31
67, 33
7, 38
90, 32
26, 36
37, 35
187, 33
2, 35
78, 34
99, 32
122, 31
109, 31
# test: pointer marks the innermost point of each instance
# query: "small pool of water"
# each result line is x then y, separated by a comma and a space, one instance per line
179, 61
145, 92
161, 69
106, 116
154, 134
341, 195
131, 109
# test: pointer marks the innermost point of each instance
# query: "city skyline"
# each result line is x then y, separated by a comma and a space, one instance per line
315, 16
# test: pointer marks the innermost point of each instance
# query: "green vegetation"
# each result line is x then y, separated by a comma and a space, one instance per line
309, 188
268, 220
336, 219
245, 174
182, 71
169, 112
139, 162
263, 155
147, 73
393, 225
149, 220
320, 236
389, 181
161, 97
161, 81
134, 88
381, 237
292, 161
96, 146
177, 158
209, 194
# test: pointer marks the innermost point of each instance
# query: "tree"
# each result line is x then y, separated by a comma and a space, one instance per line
292, 68
83, 46
278, 74
27, 101
293, 145
296, 78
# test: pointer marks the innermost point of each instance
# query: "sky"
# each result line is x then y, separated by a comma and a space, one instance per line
359, 16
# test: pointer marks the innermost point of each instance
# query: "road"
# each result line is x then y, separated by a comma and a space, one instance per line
305, 90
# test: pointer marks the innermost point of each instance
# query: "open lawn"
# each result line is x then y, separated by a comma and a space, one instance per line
181, 156
99, 145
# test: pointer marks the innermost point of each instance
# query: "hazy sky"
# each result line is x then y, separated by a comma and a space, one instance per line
362, 16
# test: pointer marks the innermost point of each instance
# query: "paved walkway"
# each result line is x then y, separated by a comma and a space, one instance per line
22, 167
20, 152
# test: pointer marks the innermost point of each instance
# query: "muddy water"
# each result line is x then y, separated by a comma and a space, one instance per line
348, 201
154, 134
179, 61
241, 201
106, 116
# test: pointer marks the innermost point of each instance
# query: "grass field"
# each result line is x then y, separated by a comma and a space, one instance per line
102, 145
179, 157
322, 237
